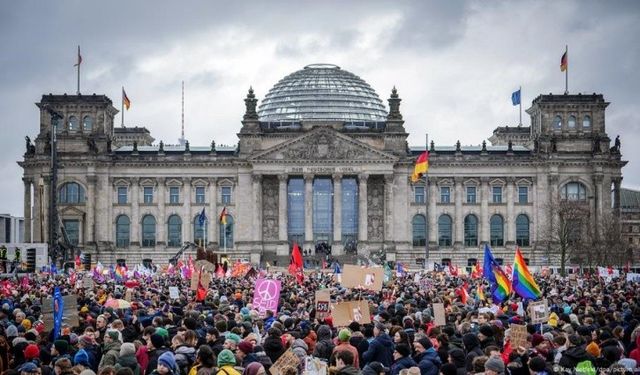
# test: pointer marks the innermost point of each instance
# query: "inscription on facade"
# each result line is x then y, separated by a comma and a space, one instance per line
322, 170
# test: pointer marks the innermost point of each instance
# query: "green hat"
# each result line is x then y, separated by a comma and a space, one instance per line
62, 346
162, 332
226, 357
344, 335
233, 337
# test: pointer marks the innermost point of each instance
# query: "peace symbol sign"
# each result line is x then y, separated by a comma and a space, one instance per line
267, 290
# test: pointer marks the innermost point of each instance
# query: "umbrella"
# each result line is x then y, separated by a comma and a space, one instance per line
117, 304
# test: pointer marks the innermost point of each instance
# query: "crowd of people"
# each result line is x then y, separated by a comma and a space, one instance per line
592, 327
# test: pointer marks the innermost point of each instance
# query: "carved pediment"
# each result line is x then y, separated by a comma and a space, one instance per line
70, 211
323, 144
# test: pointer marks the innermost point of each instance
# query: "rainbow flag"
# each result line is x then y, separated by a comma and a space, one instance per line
480, 293
523, 283
502, 288
422, 166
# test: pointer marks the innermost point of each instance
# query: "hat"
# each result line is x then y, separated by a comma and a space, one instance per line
168, 360
403, 350
494, 364
537, 364
378, 367
593, 349
245, 347
425, 342
162, 332
233, 337
29, 367
32, 351
113, 334
226, 357
536, 339
61, 346
26, 323
344, 335
11, 331
486, 330
157, 341
127, 349
85, 340
448, 369
81, 358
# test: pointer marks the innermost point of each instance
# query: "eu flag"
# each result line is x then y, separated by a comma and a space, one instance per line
202, 218
515, 97
58, 307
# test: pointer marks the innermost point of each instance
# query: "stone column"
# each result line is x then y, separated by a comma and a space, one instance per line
459, 220
616, 195
388, 208
136, 224
257, 208
92, 200
27, 208
308, 208
533, 221
162, 238
485, 198
362, 207
213, 215
187, 217
337, 211
433, 219
282, 207
46, 202
510, 235
38, 191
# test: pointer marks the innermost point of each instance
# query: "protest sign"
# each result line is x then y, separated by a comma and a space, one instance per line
266, 295
205, 280
539, 312
173, 292
87, 282
633, 277
359, 277
208, 266
323, 302
287, 359
343, 313
314, 366
439, 317
518, 335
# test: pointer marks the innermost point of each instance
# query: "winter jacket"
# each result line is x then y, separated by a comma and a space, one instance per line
273, 347
228, 370
324, 346
263, 358
185, 357
348, 370
574, 355
311, 340
299, 348
142, 356
130, 362
428, 362
381, 350
111, 353
153, 358
401, 364
472, 346
345, 346
635, 353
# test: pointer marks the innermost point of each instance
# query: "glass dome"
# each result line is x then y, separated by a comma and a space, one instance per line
321, 92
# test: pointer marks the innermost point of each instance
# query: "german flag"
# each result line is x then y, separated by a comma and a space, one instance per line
422, 166
223, 216
564, 62
125, 100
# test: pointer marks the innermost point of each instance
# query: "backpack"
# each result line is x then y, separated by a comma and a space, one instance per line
585, 368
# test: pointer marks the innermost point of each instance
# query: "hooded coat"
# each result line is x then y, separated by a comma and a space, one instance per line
129, 361
273, 347
381, 350
185, 357
111, 354
574, 355
401, 364
472, 346
428, 362
324, 346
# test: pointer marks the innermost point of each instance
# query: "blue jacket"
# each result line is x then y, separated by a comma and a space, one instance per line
428, 362
401, 364
381, 350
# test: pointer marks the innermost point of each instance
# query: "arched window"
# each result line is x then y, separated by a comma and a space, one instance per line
148, 231
571, 124
122, 231
71, 192
58, 124
471, 230
586, 122
174, 231
557, 123
419, 224
200, 233
522, 230
497, 230
444, 230
574, 191
74, 124
87, 124
226, 234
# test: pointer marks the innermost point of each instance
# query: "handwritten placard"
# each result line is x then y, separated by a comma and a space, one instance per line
370, 278
518, 335
266, 295
174, 292
539, 312
439, 317
323, 303
287, 359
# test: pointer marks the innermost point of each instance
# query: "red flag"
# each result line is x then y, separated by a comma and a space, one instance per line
476, 273
610, 270
296, 267
219, 271
463, 293
453, 270
201, 293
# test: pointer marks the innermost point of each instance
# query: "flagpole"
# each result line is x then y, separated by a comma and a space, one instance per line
122, 108
426, 204
520, 90
79, 63
566, 71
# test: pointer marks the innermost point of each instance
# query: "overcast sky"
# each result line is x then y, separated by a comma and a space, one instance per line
455, 63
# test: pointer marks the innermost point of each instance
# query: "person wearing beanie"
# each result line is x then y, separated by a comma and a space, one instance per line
401, 359
381, 348
254, 368
166, 365
155, 348
449, 369
245, 353
494, 366
486, 336
231, 342
26, 323
343, 344
60, 349
226, 361
110, 349
426, 356
11, 332
593, 349
299, 348
324, 344
127, 358
31, 352
273, 344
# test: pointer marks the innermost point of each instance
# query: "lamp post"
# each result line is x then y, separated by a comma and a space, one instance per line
53, 203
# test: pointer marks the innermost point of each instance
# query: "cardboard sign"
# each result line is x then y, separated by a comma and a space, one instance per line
539, 312
206, 279
518, 335
358, 277
173, 292
287, 359
87, 282
439, 317
314, 366
208, 266
323, 303
343, 313
266, 295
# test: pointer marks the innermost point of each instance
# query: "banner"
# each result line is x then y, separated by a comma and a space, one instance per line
58, 307
633, 277
323, 303
343, 313
359, 277
266, 295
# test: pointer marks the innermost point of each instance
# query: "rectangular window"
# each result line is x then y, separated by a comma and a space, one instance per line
122, 195
445, 194
174, 194
523, 194
226, 194
148, 194
199, 194
497, 194
418, 194
72, 227
471, 194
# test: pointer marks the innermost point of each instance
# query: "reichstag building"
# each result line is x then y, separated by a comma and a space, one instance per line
320, 161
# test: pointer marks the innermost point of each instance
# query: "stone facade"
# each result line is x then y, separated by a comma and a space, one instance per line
152, 183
